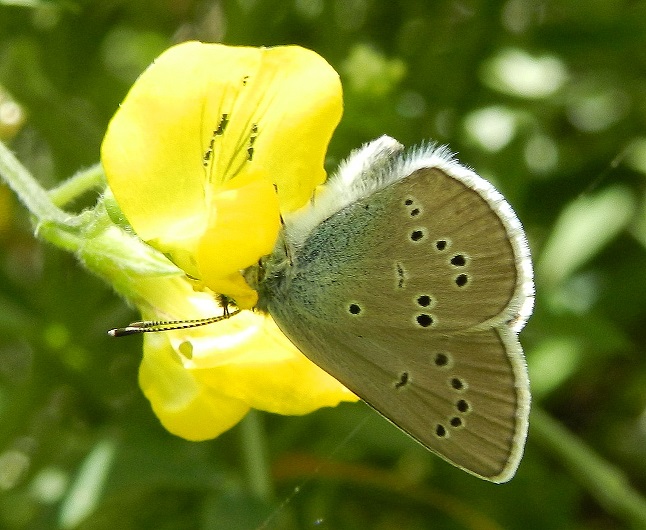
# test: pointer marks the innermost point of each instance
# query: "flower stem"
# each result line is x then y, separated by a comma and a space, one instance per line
255, 456
31, 194
56, 234
604, 481
79, 183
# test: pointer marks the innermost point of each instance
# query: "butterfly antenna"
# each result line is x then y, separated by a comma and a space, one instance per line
151, 326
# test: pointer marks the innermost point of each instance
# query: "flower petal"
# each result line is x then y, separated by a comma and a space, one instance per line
243, 226
184, 406
202, 112
200, 380
300, 101
209, 145
152, 150
249, 358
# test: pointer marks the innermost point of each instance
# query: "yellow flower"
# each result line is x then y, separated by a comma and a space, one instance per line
202, 381
210, 145
204, 139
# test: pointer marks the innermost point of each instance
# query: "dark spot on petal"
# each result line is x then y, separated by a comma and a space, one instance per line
461, 280
456, 422
354, 309
224, 121
186, 349
458, 260
440, 245
462, 405
440, 430
414, 212
408, 202
457, 383
424, 320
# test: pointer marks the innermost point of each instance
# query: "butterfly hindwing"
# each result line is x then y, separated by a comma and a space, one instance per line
463, 396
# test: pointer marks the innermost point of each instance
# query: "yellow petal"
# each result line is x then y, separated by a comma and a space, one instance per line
184, 406
191, 157
243, 226
152, 150
248, 358
201, 381
235, 287
203, 112
298, 100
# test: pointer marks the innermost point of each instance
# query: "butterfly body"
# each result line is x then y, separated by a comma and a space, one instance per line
407, 278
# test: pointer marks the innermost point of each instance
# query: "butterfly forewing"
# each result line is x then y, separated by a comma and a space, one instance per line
428, 243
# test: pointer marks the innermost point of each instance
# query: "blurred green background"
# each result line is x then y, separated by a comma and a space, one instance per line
545, 99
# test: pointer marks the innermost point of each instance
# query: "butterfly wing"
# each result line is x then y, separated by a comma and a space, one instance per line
410, 298
463, 396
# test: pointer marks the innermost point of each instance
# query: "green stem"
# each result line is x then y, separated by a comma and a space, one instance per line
255, 456
57, 235
79, 183
31, 194
604, 481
